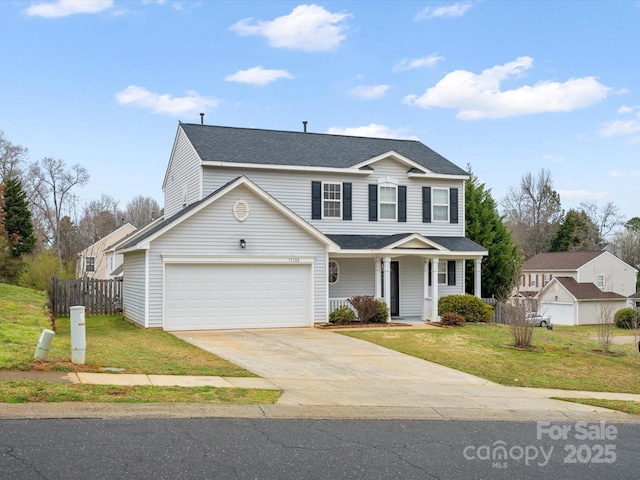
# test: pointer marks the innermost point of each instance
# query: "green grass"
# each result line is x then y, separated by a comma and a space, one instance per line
111, 342
563, 358
24, 391
625, 406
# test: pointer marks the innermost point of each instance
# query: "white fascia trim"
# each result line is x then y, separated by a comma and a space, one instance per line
388, 252
395, 156
417, 236
293, 168
442, 176
237, 259
171, 157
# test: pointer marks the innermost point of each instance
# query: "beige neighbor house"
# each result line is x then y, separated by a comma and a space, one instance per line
100, 261
578, 288
266, 228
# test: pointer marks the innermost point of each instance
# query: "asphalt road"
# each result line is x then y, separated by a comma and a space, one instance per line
315, 449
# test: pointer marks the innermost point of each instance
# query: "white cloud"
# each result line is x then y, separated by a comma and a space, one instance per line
63, 8
624, 109
165, 103
479, 95
370, 91
620, 127
621, 174
371, 130
580, 194
258, 76
450, 11
414, 63
310, 28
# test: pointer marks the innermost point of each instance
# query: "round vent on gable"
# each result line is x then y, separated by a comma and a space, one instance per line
241, 210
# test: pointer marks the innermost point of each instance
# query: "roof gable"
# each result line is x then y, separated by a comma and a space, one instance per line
282, 148
582, 291
413, 241
559, 260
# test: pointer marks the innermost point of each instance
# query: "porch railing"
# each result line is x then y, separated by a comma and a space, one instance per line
339, 302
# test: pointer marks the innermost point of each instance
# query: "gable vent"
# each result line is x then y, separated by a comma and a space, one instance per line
241, 210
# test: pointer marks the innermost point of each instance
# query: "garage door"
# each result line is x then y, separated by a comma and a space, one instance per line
230, 296
560, 313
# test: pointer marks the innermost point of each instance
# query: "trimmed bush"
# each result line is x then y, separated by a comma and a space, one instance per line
342, 315
452, 319
382, 312
366, 307
627, 318
470, 307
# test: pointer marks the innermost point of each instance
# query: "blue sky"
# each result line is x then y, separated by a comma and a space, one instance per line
508, 87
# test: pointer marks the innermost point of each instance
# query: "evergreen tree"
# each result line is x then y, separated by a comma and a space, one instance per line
577, 232
17, 221
485, 226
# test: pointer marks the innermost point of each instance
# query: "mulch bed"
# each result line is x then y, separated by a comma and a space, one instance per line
333, 326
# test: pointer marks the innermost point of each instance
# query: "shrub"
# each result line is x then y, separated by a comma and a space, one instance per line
627, 318
452, 319
342, 315
469, 306
382, 312
366, 307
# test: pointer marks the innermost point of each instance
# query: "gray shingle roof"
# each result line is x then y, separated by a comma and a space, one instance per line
560, 260
276, 147
586, 291
375, 242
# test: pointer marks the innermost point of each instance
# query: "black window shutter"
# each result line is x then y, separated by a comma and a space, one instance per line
426, 204
373, 203
453, 205
402, 203
316, 200
451, 272
430, 263
346, 201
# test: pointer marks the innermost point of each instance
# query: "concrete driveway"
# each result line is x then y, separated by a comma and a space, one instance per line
319, 367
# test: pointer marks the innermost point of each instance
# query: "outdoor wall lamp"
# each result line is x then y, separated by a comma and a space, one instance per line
243, 243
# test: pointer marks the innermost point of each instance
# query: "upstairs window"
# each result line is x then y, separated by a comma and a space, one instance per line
388, 202
600, 281
440, 205
332, 200
90, 264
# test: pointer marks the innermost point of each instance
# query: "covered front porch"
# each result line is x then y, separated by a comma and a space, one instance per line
409, 272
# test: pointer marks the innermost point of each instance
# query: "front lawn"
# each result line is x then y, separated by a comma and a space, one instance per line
563, 358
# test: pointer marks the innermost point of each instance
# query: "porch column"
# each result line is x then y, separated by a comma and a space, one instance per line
434, 290
477, 275
425, 282
387, 282
378, 277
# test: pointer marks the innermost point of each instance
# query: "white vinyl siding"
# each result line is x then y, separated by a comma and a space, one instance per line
133, 287
293, 190
265, 231
184, 177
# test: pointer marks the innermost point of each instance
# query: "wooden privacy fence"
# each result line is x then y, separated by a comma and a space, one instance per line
99, 297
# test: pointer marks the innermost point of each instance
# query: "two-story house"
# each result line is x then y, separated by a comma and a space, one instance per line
100, 260
268, 228
578, 288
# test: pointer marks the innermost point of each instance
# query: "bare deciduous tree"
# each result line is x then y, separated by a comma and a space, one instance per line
12, 157
606, 325
606, 218
533, 212
51, 185
141, 211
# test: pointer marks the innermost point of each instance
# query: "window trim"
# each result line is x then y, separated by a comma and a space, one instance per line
340, 201
600, 281
337, 270
434, 204
395, 203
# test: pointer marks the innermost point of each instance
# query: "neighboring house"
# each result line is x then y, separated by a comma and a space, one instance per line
569, 302
634, 301
100, 260
602, 268
268, 228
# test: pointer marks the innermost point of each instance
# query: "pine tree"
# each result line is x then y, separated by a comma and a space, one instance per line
577, 232
17, 221
485, 226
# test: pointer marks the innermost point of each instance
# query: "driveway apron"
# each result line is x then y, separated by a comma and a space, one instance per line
319, 367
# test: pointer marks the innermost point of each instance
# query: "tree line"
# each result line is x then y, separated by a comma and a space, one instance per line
43, 225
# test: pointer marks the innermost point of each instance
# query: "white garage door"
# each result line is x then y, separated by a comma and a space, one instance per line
560, 313
231, 296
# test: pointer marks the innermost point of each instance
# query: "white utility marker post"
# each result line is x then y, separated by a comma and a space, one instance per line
78, 335
42, 350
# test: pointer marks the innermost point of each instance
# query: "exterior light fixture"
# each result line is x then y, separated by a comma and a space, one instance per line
243, 243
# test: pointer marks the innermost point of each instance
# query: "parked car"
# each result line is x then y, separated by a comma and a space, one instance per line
538, 319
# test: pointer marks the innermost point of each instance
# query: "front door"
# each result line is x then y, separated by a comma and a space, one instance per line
395, 289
